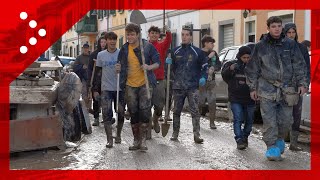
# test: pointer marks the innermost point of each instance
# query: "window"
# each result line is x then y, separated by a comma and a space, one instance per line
121, 11
113, 12
230, 54
226, 33
174, 40
100, 14
105, 13
286, 18
250, 31
120, 42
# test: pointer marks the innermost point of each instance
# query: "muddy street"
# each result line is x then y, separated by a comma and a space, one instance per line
218, 152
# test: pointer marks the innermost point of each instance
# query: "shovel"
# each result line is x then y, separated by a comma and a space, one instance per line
118, 91
138, 18
165, 126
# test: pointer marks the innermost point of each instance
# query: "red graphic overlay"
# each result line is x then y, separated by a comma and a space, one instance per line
57, 16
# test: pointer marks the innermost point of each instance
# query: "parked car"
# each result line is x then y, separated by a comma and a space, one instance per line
64, 60
225, 55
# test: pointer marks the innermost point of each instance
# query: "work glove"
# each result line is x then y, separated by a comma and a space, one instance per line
202, 81
168, 60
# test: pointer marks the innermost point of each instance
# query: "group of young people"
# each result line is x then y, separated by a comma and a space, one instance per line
275, 72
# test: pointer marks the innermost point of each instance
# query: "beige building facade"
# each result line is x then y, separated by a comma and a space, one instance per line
236, 27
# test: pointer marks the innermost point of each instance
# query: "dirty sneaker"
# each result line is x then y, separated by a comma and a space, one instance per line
241, 145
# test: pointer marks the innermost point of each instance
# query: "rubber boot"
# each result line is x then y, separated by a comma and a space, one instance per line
245, 141
95, 122
196, 130
143, 129
273, 153
175, 135
212, 114
127, 115
197, 138
176, 128
156, 125
136, 137
108, 129
294, 141
212, 124
148, 131
281, 145
117, 139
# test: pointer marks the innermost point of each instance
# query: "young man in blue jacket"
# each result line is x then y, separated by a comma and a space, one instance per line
189, 66
133, 81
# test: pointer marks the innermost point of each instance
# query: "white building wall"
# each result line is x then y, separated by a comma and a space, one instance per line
307, 26
175, 19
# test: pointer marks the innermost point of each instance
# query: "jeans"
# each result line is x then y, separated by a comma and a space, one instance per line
242, 114
107, 97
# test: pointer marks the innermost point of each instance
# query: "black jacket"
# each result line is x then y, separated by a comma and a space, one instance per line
216, 64
238, 90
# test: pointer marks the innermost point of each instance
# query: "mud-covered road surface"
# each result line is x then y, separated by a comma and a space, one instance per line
218, 152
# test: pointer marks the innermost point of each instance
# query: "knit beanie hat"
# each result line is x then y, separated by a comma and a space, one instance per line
243, 50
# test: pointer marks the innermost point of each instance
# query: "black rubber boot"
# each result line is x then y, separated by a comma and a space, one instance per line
108, 129
117, 139
143, 129
294, 141
156, 125
95, 122
136, 137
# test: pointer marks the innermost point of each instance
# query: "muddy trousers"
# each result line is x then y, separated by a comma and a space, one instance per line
107, 97
158, 102
179, 98
294, 134
207, 93
277, 120
139, 107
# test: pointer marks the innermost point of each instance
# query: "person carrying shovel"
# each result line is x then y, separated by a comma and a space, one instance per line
158, 95
107, 60
133, 80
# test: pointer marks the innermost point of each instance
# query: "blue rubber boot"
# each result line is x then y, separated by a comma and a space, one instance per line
273, 153
281, 145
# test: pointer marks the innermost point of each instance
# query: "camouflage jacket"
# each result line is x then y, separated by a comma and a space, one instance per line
275, 64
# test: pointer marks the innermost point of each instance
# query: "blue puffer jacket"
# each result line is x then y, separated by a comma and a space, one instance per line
151, 56
188, 66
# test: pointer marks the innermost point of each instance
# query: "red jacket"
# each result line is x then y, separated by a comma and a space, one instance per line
162, 48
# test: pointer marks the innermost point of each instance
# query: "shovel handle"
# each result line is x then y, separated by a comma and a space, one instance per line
168, 89
91, 80
118, 91
144, 71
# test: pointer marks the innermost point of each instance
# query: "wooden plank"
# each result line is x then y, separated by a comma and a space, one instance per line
85, 114
50, 65
36, 133
33, 94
